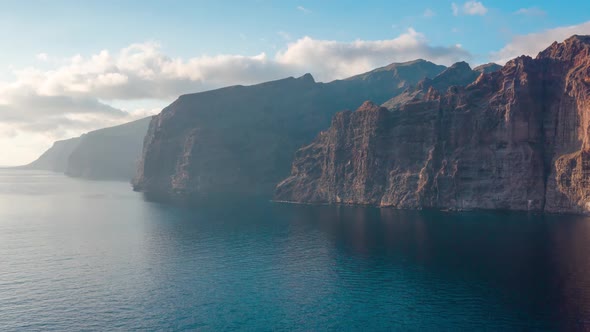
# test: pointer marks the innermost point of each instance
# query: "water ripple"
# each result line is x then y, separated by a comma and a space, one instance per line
94, 256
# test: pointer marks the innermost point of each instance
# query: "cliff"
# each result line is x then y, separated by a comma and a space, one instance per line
241, 139
104, 154
55, 159
514, 139
110, 153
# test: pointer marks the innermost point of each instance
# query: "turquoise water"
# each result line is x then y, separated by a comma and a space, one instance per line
81, 255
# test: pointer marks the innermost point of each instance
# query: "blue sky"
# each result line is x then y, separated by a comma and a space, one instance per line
67, 67
188, 28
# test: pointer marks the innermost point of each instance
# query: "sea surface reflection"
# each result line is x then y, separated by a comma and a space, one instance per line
82, 255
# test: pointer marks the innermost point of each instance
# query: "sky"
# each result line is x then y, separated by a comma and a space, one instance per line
68, 67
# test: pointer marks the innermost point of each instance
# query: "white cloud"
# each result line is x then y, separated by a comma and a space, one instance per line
474, 8
469, 8
142, 71
303, 9
455, 9
42, 57
429, 13
329, 60
534, 43
532, 11
84, 93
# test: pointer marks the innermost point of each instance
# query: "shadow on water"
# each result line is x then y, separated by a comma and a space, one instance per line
433, 268
534, 265
95, 256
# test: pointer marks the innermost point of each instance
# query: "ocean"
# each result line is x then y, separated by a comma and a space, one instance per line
85, 255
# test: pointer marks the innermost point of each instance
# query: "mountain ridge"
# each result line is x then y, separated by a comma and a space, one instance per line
241, 139
514, 139
104, 154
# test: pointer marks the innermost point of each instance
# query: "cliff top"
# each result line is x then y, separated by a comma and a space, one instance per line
568, 49
488, 68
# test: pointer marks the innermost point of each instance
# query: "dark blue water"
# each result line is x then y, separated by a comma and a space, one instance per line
80, 255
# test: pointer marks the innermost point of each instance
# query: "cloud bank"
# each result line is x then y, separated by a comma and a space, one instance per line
79, 93
82, 87
329, 60
532, 44
84, 93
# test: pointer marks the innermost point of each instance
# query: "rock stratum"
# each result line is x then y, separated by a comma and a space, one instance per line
517, 138
104, 154
241, 139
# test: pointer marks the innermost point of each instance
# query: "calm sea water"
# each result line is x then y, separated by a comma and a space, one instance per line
81, 255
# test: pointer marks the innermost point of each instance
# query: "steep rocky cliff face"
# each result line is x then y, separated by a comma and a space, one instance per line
241, 139
567, 71
55, 159
109, 154
515, 139
105, 154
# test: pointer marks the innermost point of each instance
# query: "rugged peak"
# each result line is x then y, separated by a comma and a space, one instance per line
488, 68
368, 106
307, 78
578, 38
461, 65
413, 62
409, 65
520, 61
459, 68
574, 47
417, 62
458, 74
396, 77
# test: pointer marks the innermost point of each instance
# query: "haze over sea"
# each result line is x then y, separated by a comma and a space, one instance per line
83, 255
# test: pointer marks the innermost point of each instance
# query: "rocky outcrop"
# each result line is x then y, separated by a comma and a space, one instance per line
458, 74
488, 68
241, 139
514, 139
104, 154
